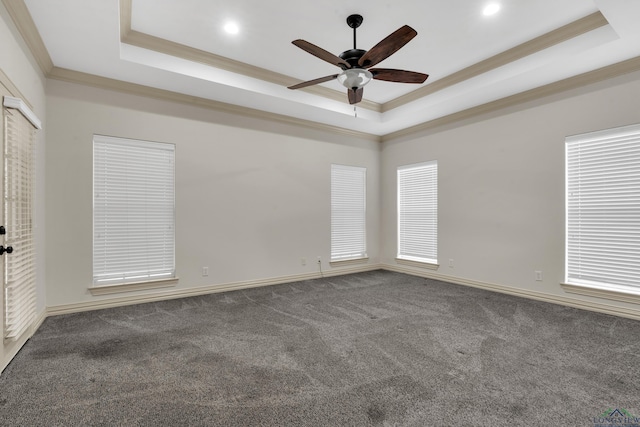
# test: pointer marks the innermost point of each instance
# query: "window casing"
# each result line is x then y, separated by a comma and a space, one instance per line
133, 211
348, 213
603, 208
418, 212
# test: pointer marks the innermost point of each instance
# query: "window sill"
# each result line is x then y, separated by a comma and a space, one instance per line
352, 261
134, 286
615, 293
419, 264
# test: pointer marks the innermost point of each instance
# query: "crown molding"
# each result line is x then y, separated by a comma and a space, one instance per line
168, 47
126, 12
22, 19
552, 38
86, 79
595, 76
584, 79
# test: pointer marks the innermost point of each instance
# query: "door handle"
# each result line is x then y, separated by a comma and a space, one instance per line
8, 249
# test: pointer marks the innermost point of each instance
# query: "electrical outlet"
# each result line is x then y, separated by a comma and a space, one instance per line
205, 271
538, 275
450, 262
303, 261
319, 259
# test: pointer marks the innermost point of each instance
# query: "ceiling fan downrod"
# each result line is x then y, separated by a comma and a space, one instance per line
354, 21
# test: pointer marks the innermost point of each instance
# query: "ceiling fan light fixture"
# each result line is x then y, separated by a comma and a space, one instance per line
355, 78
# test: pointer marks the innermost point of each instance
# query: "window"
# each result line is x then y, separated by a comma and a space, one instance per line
603, 208
133, 211
348, 212
418, 212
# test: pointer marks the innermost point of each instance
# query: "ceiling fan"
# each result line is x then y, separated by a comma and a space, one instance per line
355, 62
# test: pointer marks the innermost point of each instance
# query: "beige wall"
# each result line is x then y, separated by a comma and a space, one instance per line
501, 185
253, 196
250, 202
21, 76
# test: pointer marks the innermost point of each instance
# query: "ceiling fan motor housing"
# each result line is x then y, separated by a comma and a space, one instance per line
352, 56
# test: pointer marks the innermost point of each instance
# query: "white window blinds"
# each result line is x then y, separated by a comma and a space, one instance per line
603, 207
19, 265
133, 210
418, 212
348, 212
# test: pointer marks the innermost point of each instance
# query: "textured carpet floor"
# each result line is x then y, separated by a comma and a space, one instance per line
376, 348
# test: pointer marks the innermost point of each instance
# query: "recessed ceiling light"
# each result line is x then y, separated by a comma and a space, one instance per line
491, 9
231, 28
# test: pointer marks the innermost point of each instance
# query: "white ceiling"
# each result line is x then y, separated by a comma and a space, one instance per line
85, 36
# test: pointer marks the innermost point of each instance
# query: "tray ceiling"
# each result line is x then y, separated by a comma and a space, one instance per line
473, 60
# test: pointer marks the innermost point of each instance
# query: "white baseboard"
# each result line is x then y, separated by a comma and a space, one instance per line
211, 289
38, 322
15, 346
524, 293
8, 357
203, 290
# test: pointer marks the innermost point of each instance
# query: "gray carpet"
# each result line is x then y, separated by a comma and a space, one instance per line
376, 348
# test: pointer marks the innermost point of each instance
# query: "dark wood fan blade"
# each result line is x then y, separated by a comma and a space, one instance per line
400, 76
321, 53
313, 82
387, 46
355, 96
